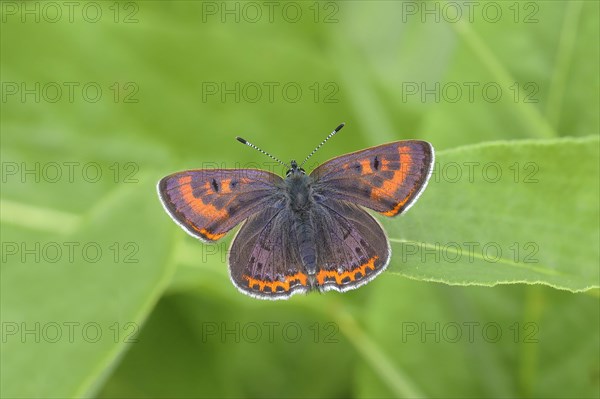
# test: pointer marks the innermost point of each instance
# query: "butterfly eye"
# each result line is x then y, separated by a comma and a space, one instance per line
295, 169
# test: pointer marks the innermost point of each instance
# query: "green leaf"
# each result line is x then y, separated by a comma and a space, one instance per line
508, 212
67, 315
235, 347
483, 342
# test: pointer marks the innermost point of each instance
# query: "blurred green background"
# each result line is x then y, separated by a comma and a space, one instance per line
102, 295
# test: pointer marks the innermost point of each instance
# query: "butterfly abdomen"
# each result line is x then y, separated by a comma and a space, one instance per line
300, 202
307, 246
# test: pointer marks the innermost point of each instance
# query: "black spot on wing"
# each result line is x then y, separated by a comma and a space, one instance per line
376, 163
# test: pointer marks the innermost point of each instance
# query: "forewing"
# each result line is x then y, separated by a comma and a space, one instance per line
207, 203
352, 246
264, 261
387, 178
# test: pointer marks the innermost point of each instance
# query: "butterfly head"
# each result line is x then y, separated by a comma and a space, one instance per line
294, 170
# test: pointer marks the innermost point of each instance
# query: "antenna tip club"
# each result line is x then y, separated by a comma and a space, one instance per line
241, 140
337, 129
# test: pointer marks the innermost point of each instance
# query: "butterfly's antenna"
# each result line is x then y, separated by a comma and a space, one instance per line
241, 140
337, 129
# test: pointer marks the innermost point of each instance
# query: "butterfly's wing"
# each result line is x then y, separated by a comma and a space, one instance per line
387, 178
264, 260
207, 203
352, 248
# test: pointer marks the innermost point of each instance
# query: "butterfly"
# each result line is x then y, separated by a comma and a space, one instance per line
303, 232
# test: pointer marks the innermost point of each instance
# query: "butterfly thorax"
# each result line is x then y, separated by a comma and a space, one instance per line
299, 193
298, 189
